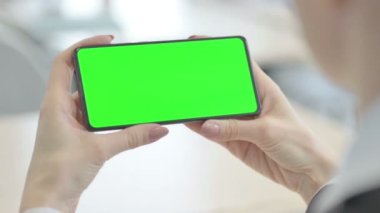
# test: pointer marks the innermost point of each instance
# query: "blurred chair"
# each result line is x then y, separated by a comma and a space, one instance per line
23, 75
23, 71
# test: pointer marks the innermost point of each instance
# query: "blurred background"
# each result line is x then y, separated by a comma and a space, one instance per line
182, 173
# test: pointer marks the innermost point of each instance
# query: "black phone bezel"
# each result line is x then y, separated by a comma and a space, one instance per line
78, 81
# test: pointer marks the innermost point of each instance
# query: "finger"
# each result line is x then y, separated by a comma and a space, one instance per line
78, 110
262, 79
194, 125
131, 138
62, 70
254, 131
265, 85
198, 36
76, 99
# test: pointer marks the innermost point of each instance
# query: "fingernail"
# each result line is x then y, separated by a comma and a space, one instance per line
211, 129
112, 36
157, 133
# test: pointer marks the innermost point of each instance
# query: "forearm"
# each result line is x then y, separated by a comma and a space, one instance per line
41, 210
38, 198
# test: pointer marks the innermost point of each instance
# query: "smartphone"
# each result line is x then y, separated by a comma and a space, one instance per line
165, 82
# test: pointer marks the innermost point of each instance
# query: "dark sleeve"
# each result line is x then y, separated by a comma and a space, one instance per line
368, 202
313, 205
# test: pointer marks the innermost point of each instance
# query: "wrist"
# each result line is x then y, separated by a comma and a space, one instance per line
37, 196
309, 188
319, 174
41, 200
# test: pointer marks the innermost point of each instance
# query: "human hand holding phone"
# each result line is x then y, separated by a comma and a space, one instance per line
165, 82
67, 157
277, 143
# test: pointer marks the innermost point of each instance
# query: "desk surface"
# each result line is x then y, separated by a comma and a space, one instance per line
181, 173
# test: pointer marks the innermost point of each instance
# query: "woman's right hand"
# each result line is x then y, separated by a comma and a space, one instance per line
67, 157
277, 143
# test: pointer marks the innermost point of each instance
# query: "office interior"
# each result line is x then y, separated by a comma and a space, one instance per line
183, 172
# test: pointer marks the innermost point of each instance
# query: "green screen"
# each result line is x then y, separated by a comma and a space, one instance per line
163, 82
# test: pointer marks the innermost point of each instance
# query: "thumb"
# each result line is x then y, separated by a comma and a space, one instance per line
130, 138
231, 129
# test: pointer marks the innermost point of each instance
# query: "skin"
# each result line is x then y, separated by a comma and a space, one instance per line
67, 157
343, 35
276, 144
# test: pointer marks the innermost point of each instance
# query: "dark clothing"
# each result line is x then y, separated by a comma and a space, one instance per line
367, 202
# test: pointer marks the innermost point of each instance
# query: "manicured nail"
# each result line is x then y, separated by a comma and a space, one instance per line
157, 133
198, 37
211, 129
